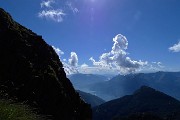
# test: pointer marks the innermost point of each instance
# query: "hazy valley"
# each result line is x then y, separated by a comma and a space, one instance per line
120, 85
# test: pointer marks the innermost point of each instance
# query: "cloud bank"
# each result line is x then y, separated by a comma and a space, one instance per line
115, 61
117, 57
175, 47
55, 15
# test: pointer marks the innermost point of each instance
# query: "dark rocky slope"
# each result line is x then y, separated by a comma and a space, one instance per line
31, 72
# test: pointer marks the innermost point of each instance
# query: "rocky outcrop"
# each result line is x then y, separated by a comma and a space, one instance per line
31, 72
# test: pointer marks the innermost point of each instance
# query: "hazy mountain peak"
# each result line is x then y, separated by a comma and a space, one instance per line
145, 100
144, 89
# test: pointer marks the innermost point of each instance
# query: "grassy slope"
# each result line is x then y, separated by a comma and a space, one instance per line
12, 111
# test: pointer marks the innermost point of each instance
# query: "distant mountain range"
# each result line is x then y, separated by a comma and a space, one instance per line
84, 81
90, 99
120, 85
144, 104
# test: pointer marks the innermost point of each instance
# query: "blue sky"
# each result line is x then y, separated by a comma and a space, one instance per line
106, 36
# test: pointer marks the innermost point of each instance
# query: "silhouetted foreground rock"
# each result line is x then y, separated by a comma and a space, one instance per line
31, 72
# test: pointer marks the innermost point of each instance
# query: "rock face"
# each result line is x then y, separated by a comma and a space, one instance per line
31, 72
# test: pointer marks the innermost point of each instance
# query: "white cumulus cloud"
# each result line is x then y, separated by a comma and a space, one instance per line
153, 67
84, 65
73, 60
117, 57
55, 15
47, 3
58, 51
70, 69
175, 47
70, 66
56, 10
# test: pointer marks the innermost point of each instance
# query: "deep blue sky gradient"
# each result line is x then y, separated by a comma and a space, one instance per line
150, 26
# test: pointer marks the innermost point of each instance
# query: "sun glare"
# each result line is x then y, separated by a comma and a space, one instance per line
92, 0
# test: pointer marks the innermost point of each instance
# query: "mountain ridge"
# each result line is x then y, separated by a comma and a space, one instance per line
144, 100
120, 85
83, 81
90, 99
